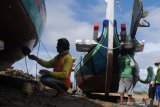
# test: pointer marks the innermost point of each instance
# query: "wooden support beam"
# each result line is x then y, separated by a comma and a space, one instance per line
109, 66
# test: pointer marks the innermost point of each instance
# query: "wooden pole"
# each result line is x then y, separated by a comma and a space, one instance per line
109, 66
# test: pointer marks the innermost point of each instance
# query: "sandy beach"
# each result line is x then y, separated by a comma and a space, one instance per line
12, 97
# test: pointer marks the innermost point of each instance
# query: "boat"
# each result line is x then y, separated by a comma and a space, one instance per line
21, 23
97, 71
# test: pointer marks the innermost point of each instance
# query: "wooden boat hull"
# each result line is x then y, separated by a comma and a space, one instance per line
21, 25
96, 83
91, 70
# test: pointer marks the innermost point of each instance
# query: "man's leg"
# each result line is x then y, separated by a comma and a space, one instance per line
129, 98
129, 88
151, 93
121, 90
158, 94
52, 83
121, 98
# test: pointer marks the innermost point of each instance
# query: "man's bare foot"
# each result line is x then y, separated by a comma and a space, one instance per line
130, 103
121, 103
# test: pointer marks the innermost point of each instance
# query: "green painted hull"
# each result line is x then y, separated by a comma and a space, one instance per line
37, 13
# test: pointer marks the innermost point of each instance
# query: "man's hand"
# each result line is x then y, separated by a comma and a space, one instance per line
44, 72
146, 81
32, 57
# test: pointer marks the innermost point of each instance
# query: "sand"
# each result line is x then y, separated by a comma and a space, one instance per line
13, 97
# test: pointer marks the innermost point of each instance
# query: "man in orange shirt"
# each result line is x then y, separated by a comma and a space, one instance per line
59, 79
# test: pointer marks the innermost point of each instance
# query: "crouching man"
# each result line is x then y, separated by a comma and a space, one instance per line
59, 79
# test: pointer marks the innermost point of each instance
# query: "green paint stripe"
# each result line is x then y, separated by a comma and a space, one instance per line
93, 52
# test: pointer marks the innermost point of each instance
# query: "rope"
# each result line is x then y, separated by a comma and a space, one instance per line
45, 49
29, 102
36, 62
121, 11
26, 65
37, 56
109, 48
118, 3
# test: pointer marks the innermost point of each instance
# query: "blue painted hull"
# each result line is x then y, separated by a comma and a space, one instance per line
91, 70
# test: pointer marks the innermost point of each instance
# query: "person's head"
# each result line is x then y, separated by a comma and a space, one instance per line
123, 27
157, 63
62, 45
150, 68
123, 33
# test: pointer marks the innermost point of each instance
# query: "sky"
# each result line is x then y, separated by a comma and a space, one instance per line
74, 19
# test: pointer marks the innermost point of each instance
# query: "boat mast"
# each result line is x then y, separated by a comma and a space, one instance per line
109, 66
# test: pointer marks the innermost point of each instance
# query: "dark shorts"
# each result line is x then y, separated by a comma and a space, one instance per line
49, 81
151, 91
158, 91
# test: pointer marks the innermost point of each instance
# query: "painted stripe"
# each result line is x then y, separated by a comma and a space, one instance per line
94, 51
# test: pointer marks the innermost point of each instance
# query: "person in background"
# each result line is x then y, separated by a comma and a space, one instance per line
150, 79
123, 33
126, 77
59, 79
157, 81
